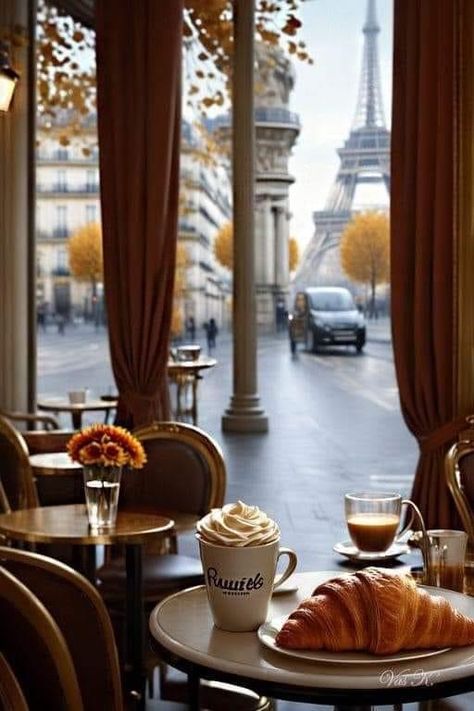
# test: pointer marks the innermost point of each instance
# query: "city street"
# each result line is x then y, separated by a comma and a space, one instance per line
335, 426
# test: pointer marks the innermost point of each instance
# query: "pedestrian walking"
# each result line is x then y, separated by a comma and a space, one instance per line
211, 332
61, 324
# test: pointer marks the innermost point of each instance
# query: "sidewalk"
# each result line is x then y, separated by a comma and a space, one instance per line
379, 330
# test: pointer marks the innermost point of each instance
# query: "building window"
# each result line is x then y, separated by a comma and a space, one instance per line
61, 215
62, 259
91, 213
61, 230
91, 184
61, 180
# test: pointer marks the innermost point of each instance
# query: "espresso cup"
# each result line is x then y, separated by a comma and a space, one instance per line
373, 520
240, 581
447, 551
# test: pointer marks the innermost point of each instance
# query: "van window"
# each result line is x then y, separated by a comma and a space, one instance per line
332, 301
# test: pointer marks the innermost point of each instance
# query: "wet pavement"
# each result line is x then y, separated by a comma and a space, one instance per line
335, 426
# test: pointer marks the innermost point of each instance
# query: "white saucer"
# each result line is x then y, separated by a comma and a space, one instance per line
289, 586
348, 549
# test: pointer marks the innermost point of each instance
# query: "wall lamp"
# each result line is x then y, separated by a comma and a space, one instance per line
8, 78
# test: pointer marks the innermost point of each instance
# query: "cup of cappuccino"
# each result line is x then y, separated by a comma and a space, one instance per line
373, 520
240, 548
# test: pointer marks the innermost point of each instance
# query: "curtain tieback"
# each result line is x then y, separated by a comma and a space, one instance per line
442, 435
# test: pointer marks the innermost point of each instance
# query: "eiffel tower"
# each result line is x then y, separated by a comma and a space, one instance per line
365, 159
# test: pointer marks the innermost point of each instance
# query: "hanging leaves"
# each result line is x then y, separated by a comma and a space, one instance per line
209, 40
65, 73
66, 57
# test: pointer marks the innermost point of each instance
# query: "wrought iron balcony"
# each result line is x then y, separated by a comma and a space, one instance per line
86, 189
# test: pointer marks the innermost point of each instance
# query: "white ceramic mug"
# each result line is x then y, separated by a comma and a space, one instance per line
240, 581
77, 397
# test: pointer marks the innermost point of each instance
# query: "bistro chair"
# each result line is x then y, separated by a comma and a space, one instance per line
81, 615
184, 478
36, 650
459, 470
45, 441
47, 422
11, 695
17, 487
66, 488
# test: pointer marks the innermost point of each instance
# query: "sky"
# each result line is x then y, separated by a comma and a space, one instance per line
325, 97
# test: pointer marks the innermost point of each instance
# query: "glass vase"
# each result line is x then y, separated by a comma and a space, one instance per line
102, 488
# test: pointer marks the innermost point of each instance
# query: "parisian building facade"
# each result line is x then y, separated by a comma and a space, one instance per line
68, 197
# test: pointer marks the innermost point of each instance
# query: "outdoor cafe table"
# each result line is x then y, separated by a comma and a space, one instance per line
183, 634
188, 372
69, 524
58, 479
77, 409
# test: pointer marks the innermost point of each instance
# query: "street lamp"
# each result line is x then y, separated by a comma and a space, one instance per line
8, 79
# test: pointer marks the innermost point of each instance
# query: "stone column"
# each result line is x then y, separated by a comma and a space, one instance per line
281, 249
269, 244
244, 413
17, 267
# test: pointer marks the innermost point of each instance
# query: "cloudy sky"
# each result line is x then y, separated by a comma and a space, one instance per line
325, 97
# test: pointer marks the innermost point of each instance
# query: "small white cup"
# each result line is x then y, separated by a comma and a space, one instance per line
240, 582
77, 397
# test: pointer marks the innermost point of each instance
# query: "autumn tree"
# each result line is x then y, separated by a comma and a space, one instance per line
365, 251
85, 257
85, 254
293, 253
180, 283
224, 246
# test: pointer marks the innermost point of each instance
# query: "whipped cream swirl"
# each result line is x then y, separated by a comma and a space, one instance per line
238, 525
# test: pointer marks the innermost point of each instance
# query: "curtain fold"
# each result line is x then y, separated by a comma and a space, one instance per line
465, 249
424, 197
139, 47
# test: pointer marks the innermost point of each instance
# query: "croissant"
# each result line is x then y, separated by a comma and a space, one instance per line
375, 611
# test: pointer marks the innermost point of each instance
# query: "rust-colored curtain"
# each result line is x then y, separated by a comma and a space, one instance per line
424, 234
139, 48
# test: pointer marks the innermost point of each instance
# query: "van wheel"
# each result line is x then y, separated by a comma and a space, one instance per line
360, 343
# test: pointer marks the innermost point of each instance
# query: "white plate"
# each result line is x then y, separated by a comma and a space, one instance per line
348, 549
269, 630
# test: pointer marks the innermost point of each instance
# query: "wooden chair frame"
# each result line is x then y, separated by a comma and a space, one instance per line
56, 569
29, 498
50, 423
30, 608
198, 440
459, 450
11, 695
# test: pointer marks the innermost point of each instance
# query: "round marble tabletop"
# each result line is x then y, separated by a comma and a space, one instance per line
54, 464
63, 405
182, 626
190, 366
